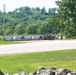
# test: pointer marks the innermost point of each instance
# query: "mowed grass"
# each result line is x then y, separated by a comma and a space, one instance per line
10, 42
32, 61
2, 42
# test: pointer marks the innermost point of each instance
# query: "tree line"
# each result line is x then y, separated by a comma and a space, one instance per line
36, 21
25, 20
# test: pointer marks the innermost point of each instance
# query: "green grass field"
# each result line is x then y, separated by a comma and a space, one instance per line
31, 62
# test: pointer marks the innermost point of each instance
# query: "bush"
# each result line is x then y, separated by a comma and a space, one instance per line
1, 38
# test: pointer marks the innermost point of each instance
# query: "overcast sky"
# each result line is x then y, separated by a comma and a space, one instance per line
12, 4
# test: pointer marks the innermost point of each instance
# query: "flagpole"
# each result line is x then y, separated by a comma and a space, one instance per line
4, 21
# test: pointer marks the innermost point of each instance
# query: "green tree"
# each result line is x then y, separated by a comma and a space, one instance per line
52, 11
1, 30
32, 29
38, 9
19, 29
67, 13
43, 10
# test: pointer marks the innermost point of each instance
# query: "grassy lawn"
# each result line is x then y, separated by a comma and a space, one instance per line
31, 62
10, 42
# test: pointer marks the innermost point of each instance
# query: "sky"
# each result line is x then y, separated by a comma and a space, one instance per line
13, 4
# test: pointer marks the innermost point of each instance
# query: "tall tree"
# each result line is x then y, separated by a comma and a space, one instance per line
52, 11
67, 13
31, 29
43, 10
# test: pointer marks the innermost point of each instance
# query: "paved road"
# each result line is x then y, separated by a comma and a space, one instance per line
38, 46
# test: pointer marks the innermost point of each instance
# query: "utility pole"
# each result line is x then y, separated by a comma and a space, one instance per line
4, 21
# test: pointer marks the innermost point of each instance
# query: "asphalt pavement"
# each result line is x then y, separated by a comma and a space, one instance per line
38, 46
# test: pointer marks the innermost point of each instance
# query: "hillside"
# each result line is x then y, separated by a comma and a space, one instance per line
25, 20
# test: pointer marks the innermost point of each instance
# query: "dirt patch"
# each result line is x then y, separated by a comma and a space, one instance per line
31, 41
